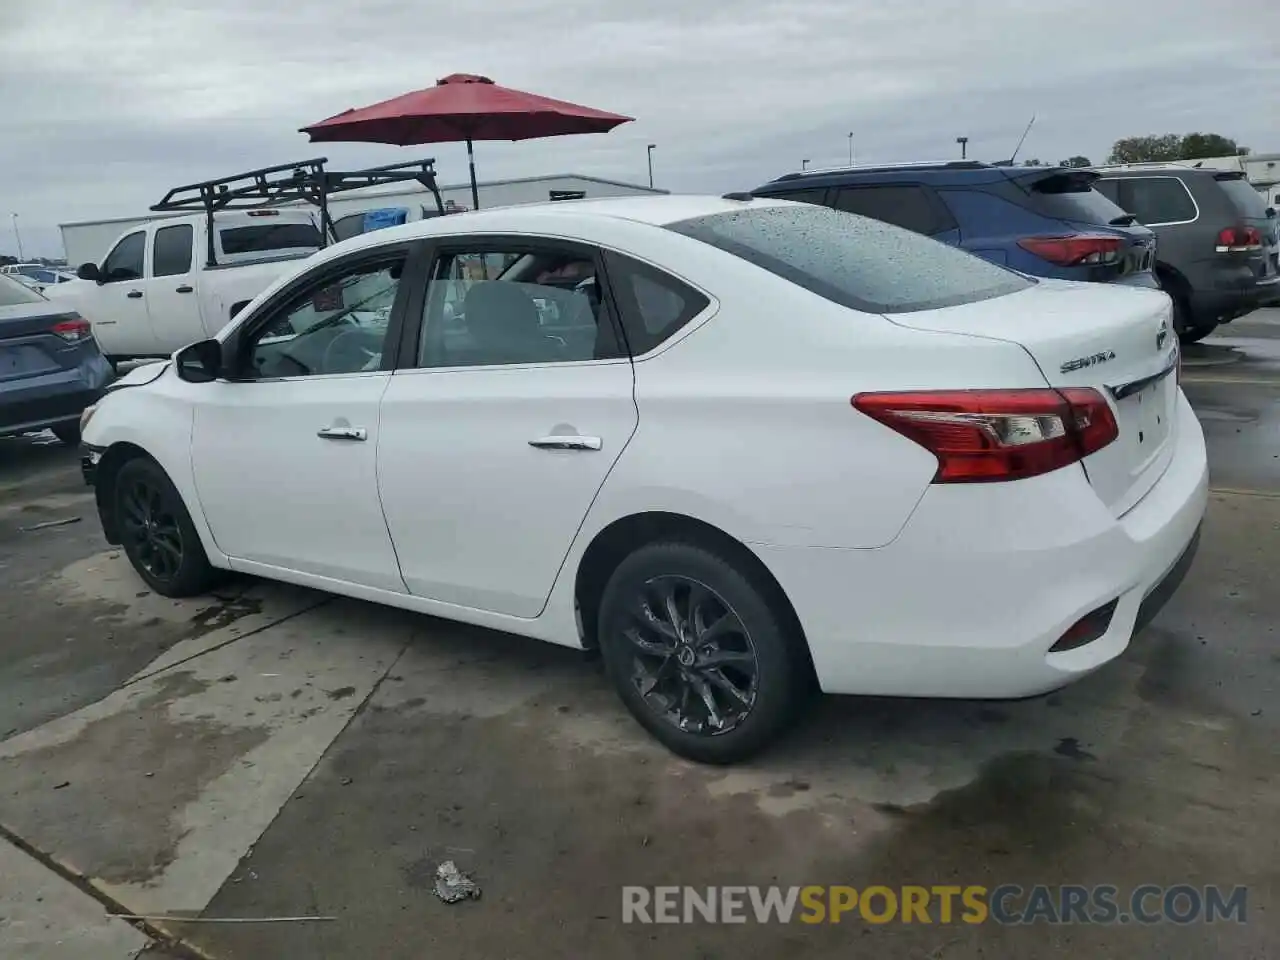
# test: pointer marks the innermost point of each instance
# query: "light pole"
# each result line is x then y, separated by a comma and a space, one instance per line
17, 236
851, 148
964, 144
650, 152
804, 165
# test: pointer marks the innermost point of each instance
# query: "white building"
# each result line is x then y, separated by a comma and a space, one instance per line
89, 241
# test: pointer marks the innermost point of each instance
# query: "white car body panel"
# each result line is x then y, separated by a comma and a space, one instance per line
902, 586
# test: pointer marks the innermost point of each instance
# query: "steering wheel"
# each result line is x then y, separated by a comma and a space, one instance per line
346, 353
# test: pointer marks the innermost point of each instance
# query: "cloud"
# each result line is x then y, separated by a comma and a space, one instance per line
110, 102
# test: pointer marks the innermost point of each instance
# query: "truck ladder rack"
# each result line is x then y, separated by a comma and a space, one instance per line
304, 181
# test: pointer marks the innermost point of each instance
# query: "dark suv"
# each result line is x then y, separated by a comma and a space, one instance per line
1043, 221
1217, 243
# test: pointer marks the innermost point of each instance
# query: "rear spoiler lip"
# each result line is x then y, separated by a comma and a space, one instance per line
1036, 174
1228, 174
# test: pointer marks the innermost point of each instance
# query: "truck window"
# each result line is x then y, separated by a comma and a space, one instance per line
271, 238
124, 262
171, 250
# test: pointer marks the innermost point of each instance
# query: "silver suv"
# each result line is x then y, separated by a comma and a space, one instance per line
1217, 253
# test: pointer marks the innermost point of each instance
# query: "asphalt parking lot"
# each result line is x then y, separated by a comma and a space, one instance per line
276, 753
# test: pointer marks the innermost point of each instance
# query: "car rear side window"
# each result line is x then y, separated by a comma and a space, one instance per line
653, 305
905, 205
171, 250
854, 261
13, 293
1247, 201
1157, 199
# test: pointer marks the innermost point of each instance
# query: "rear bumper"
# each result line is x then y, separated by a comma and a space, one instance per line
985, 579
51, 399
1231, 292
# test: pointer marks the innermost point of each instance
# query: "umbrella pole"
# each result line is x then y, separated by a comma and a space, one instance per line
475, 192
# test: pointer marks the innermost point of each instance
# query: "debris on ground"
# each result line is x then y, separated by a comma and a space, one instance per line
453, 885
50, 523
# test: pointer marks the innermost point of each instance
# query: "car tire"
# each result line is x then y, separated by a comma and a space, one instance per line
156, 531
755, 649
1196, 334
68, 433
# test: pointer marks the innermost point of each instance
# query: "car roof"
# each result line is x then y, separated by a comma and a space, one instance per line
571, 217
957, 172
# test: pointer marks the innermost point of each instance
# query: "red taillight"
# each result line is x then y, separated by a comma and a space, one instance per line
1239, 240
72, 331
989, 435
1077, 250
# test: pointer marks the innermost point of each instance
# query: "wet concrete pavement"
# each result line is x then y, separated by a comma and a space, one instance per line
293, 754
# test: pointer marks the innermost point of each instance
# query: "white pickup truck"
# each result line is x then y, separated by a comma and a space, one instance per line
165, 285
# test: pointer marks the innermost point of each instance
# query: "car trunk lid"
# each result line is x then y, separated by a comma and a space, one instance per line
1118, 341
28, 345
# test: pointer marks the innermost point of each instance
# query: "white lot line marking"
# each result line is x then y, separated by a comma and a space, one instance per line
1236, 492
181, 919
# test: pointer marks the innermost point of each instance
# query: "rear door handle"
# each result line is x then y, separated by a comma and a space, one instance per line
134, 294
184, 289
343, 433
566, 443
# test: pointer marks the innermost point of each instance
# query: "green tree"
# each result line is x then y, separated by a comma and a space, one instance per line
1172, 146
1076, 161
1146, 149
1196, 146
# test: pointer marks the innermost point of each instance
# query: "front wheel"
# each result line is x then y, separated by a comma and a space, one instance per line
1196, 334
700, 652
157, 533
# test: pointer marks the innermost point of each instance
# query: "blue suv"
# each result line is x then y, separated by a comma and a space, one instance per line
1043, 221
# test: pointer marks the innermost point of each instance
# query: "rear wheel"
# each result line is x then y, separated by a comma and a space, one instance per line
68, 433
1196, 334
157, 533
699, 652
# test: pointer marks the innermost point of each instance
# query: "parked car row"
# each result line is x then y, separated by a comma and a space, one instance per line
1205, 237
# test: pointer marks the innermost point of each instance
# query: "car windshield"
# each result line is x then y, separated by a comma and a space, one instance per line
851, 260
13, 293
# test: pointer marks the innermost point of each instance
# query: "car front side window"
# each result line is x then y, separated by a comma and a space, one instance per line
124, 262
338, 325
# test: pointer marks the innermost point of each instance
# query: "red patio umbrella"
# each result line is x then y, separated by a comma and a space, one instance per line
462, 106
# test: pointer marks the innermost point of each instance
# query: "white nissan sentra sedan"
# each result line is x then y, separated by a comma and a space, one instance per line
738, 446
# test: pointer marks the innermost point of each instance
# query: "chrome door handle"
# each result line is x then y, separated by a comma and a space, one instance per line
343, 433
566, 443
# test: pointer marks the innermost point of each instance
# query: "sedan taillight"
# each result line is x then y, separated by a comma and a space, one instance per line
982, 436
72, 331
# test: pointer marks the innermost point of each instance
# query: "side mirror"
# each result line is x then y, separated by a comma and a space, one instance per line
89, 271
1271, 211
201, 362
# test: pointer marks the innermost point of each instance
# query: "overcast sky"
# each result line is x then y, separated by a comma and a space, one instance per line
104, 104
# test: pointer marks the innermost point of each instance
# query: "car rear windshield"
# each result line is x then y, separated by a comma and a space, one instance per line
269, 238
13, 293
1073, 197
851, 260
1247, 201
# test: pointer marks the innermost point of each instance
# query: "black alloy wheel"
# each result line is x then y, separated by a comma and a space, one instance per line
692, 661
157, 533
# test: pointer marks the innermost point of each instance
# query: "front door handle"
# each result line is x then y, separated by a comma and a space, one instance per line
185, 288
134, 294
343, 433
566, 443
